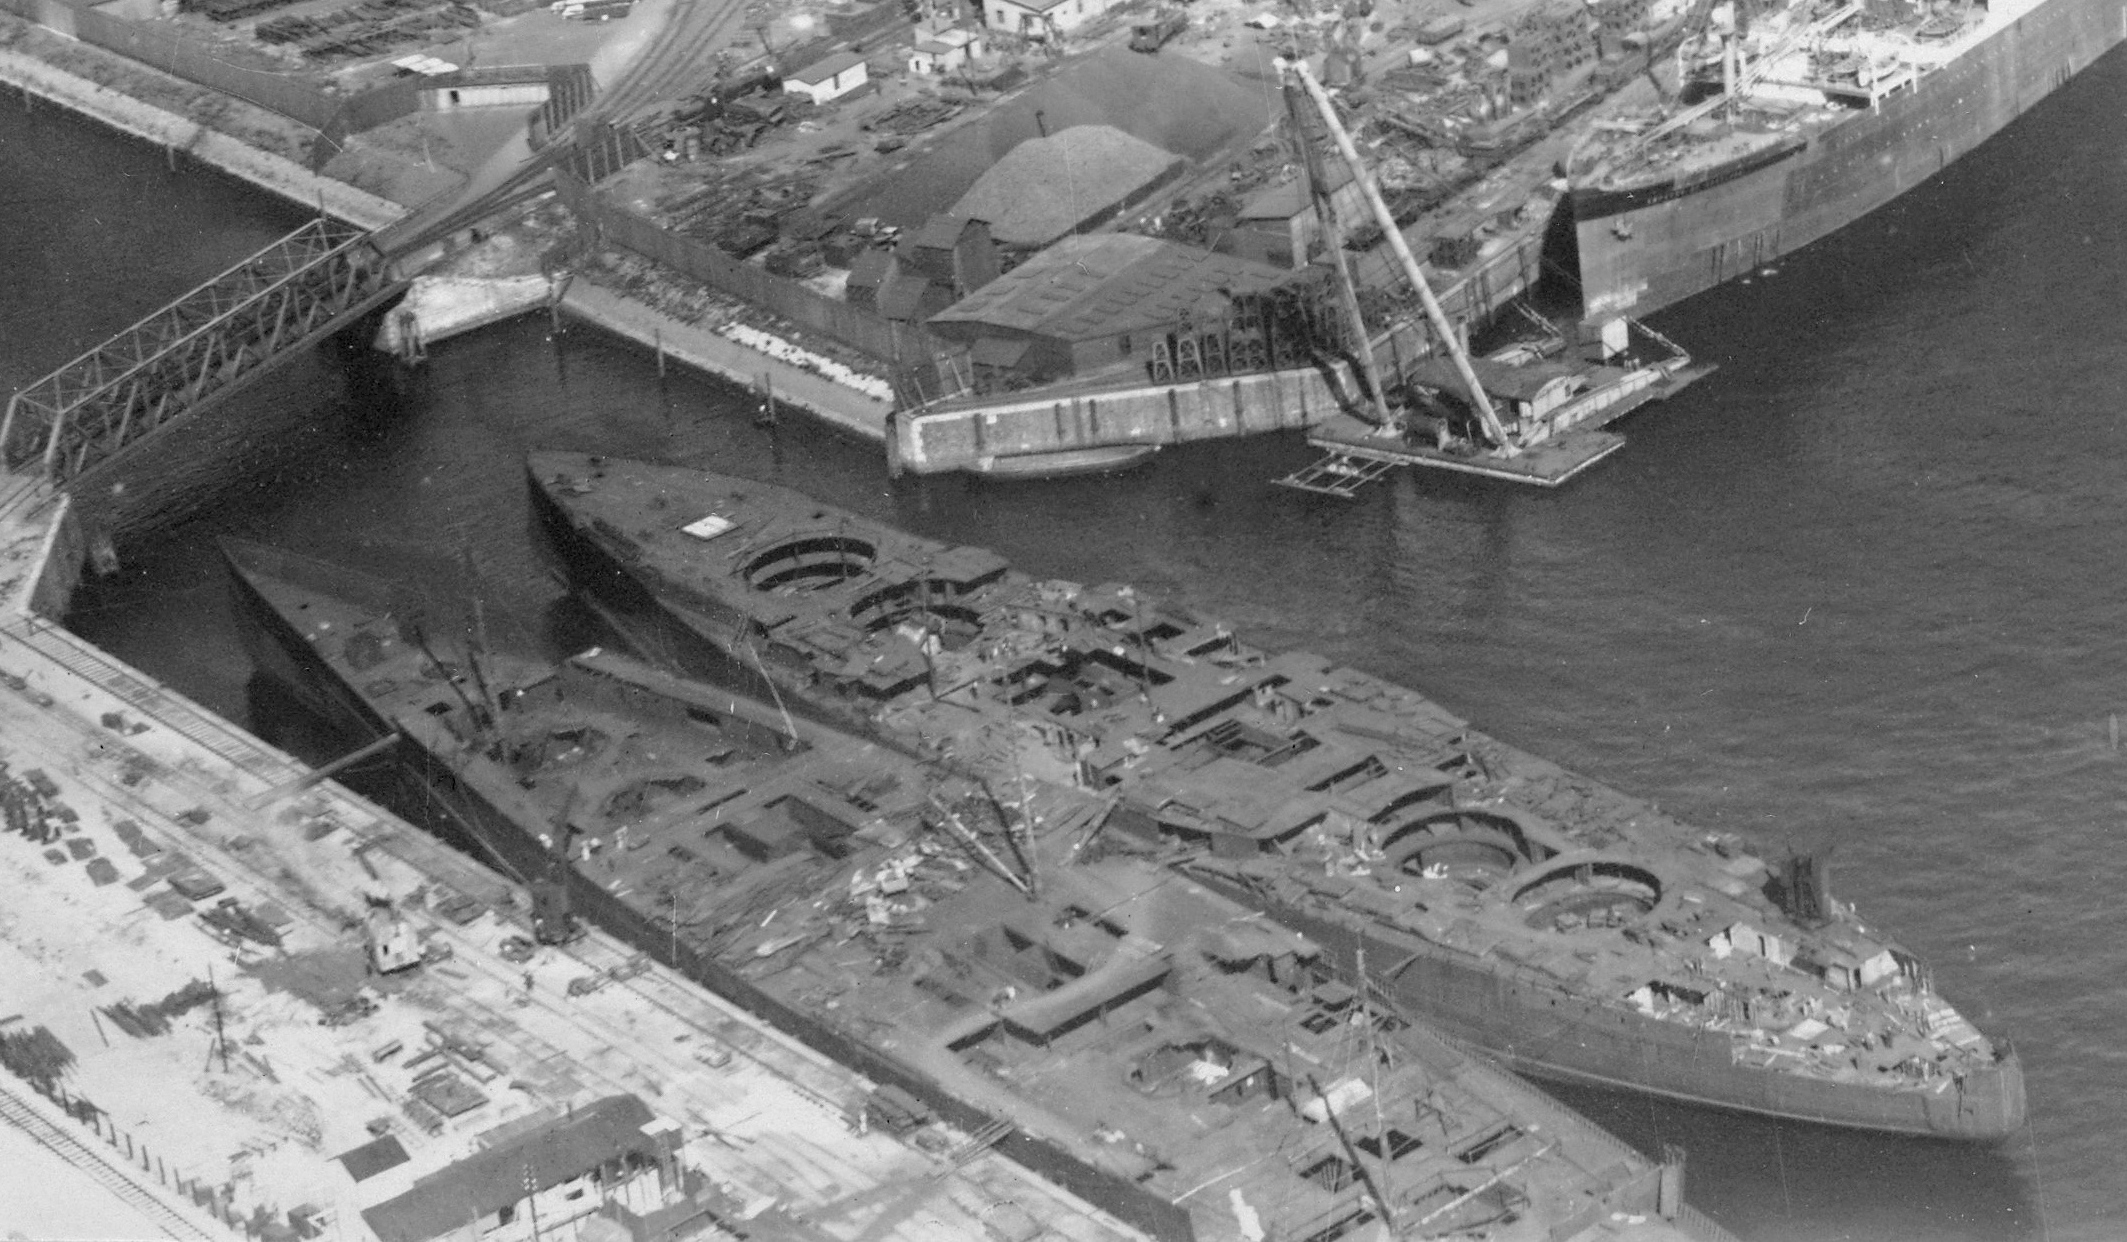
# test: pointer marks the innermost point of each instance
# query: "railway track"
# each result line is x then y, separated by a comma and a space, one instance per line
679, 63
71, 1148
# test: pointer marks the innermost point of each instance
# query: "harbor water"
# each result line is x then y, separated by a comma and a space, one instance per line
1860, 591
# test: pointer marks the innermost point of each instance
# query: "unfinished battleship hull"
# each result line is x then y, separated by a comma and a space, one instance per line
1647, 244
1546, 1031
1166, 1040
493, 819
1369, 758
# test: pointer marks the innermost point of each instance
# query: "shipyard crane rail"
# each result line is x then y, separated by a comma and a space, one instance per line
196, 352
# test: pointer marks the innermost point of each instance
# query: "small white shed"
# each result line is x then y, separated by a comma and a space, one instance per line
942, 50
829, 79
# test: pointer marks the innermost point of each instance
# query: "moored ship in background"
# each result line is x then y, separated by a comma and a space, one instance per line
1831, 109
1163, 1052
1571, 930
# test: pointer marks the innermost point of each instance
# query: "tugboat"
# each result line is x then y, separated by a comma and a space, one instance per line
1575, 932
1007, 975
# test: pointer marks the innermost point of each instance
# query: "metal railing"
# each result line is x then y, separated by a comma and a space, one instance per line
193, 351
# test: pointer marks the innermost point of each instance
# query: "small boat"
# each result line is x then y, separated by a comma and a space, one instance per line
1066, 464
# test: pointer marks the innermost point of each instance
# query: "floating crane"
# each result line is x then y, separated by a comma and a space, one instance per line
1558, 411
1444, 330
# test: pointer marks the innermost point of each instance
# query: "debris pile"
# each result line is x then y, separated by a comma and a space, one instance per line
154, 1018
913, 116
36, 1056
231, 10
368, 28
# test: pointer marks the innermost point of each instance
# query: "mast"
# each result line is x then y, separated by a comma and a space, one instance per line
1437, 317
479, 648
420, 637
221, 1036
1020, 824
1333, 233
789, 726
982, 853
1373, 1065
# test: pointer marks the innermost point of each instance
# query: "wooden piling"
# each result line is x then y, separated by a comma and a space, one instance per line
657, 341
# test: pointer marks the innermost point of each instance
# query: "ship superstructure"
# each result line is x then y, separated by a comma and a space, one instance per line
1814, 114
1562, 925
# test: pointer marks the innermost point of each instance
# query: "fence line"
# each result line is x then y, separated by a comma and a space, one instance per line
336, 117
901, 345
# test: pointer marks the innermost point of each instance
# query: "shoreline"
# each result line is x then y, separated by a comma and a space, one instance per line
448, 306
835, 404
265, 170
499, 298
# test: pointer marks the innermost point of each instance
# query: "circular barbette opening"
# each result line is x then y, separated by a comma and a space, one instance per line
810, 564
1469, 845
1598, 894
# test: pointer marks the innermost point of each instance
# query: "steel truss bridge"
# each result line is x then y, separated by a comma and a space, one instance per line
196, 352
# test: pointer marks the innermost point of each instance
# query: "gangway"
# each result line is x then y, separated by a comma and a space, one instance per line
1339, 473
196, 352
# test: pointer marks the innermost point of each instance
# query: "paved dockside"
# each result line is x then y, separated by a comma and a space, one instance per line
138, 787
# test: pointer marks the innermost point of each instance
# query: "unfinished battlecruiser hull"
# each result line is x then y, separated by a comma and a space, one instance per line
1136, 1040
1574, 931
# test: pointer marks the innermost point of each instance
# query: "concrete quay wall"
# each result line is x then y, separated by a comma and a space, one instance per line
972, 436
836, 404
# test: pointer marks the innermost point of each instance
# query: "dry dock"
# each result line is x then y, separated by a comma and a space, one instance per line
243, 1117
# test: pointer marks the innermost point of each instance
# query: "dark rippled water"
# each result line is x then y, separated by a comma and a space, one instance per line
1861, 589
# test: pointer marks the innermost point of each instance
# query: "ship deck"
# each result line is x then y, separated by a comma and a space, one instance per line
1109, 1007
200, 1130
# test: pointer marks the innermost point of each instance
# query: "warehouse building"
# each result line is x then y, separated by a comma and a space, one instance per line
1073, 180
609, 1158
1110, 301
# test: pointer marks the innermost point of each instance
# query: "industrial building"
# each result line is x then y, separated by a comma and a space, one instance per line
1093, 302
1072, 180
1038, 19
943, 48
948, 258
1280, 225
611, 1158
827, 80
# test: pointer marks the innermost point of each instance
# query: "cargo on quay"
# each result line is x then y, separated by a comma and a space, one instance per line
1161, 1051
1574, 931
